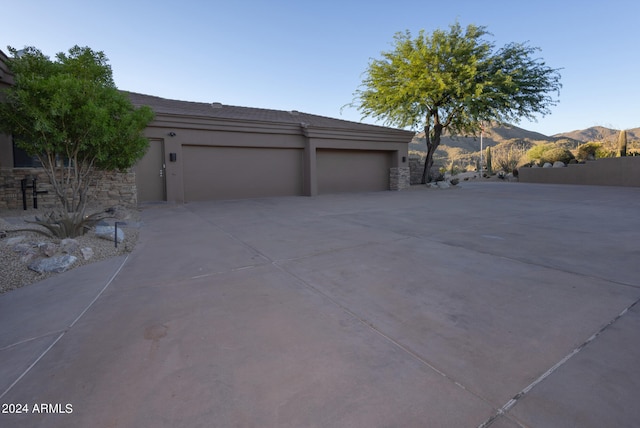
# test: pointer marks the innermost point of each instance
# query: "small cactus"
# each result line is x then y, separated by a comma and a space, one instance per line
489, 166
622, 144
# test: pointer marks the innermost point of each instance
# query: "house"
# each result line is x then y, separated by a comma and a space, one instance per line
207, 151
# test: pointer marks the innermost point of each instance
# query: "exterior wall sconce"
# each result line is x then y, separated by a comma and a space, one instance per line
173, 157
404, 159
172, 134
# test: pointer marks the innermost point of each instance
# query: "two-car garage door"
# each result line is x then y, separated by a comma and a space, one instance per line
251, 172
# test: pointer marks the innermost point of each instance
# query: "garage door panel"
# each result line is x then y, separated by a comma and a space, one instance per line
352, 170
241, 172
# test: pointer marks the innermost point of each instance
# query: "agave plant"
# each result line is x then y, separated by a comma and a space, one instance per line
67, 225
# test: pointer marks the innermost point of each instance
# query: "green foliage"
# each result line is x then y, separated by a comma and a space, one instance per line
587, 151
622, 144
557, 154
605, 152
457, 80
535, 153
69, 113
543, 153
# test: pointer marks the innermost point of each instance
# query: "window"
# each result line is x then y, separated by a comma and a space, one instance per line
22, 160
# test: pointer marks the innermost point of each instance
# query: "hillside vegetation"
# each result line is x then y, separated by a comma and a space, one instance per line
510, 144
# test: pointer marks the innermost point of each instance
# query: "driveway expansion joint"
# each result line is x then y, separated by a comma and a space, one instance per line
513, 401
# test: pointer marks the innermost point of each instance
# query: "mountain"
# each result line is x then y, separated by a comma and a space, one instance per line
492, 137
500, 134
599, 133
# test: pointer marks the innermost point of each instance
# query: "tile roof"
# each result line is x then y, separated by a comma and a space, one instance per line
222, 111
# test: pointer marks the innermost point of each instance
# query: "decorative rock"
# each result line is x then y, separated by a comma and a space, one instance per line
108, 232
87, 252
118, 212
69, 245
14, 240
443, 185
47, 248
23, 248
547, 165
558, 164
53, 264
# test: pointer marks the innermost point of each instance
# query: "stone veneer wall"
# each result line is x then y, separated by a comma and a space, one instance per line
416, 165
108, 189
399, 178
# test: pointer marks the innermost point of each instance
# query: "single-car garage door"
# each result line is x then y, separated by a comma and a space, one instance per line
352, 170
241, 172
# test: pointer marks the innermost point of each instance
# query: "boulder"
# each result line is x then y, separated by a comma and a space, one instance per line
547, 165
118, 212
108, 232
558, 164
47, 249
87, 252
69, 245
443, 185
53, 264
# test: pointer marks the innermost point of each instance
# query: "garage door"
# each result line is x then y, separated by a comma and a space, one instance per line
241, 172
352, 170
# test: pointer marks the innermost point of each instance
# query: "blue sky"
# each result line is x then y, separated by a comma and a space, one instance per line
310, 55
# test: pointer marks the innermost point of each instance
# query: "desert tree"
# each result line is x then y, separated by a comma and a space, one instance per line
455, 80
69, 114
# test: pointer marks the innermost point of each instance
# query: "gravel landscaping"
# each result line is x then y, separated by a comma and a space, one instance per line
20, 249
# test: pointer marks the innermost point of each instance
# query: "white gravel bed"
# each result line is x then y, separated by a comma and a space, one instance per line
14, 272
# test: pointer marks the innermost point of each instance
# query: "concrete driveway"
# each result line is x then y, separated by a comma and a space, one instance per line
492, 304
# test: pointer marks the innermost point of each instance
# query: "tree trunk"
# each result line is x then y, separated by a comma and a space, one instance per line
432, 146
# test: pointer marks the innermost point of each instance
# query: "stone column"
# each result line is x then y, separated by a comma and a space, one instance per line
399, 178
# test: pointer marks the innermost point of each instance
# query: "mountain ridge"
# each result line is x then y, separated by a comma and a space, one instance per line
499, 134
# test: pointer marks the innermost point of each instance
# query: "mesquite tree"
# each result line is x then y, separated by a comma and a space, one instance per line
455, 80
69, 114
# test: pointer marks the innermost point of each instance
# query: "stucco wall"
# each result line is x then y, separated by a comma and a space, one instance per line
602, 172
177, 132
108, 189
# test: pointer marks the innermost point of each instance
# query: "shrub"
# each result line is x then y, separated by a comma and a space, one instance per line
535, 153
588, 150
543, 153
557, 154
506, 159
603, 152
